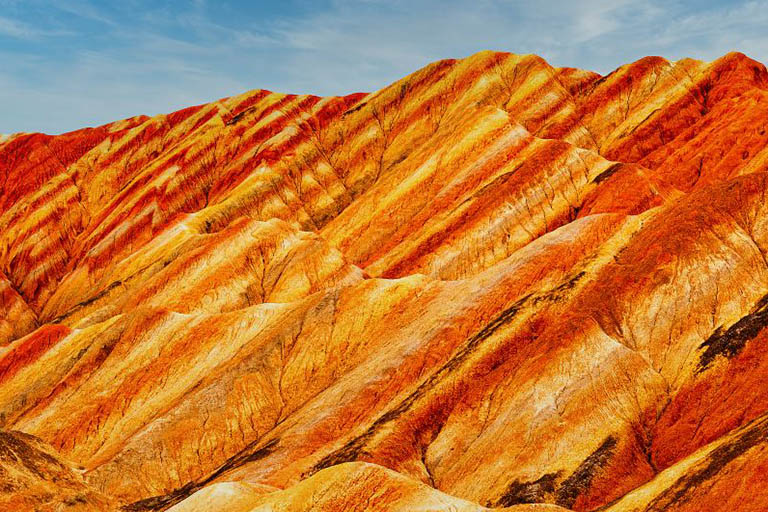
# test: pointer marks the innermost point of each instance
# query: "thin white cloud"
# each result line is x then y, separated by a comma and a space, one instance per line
20, 30
84, 9
157, 58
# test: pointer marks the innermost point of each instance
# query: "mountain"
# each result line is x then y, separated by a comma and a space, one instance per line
494, 283
33, 477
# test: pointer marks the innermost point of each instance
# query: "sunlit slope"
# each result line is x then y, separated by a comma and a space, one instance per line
492, 283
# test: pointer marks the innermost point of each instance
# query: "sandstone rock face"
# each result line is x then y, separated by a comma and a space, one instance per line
492, 284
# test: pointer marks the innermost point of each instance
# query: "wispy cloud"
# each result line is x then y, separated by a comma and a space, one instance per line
84, 9
83, 62
20, 30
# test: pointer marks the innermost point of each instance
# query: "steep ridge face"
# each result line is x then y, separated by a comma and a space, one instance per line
34, 478
492, 284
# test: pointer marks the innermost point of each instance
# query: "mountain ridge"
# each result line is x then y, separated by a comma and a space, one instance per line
509, 282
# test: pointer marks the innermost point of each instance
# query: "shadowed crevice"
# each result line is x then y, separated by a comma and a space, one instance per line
547, 489
754, 434
162, 502
731, 342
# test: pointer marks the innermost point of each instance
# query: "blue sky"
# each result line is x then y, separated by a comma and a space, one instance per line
66, 64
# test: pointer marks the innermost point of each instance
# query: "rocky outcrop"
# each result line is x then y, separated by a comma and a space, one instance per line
493, 283
34, 478
349, 486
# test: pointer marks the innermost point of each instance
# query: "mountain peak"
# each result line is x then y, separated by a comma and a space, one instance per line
492, 283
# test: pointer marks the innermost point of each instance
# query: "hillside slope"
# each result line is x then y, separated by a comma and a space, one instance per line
493, 283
